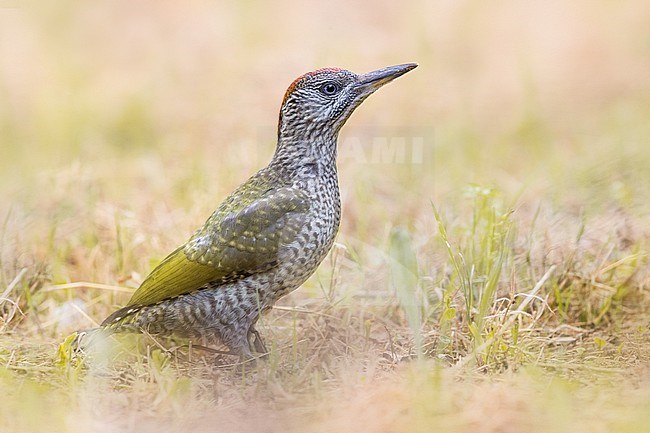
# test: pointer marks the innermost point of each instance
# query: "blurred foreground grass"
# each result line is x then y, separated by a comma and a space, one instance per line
498, 281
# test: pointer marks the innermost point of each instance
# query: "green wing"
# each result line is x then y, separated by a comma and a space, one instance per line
231, 245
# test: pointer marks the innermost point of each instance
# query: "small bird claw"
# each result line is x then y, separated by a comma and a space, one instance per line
258, 343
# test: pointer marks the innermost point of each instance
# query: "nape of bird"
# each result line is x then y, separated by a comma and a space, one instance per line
268, 236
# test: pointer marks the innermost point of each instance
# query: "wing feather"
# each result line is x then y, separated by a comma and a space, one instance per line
230, 246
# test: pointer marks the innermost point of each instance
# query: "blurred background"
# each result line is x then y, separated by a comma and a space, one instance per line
124, 124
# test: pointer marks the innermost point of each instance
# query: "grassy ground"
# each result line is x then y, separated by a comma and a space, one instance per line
491, 273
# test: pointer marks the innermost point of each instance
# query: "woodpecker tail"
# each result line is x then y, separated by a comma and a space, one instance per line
122, 318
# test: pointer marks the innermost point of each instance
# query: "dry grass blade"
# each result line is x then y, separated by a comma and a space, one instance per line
13, 284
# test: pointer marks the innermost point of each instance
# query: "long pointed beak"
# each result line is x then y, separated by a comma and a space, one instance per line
375, 79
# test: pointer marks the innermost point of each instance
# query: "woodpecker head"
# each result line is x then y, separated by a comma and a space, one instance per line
319, 102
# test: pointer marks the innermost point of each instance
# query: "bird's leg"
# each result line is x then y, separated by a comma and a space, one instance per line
246, 355
239, 343
258, 343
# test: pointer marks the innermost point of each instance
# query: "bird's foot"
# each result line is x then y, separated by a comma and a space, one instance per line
258, 343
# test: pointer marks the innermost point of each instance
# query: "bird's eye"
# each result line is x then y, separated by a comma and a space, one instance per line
329, 89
